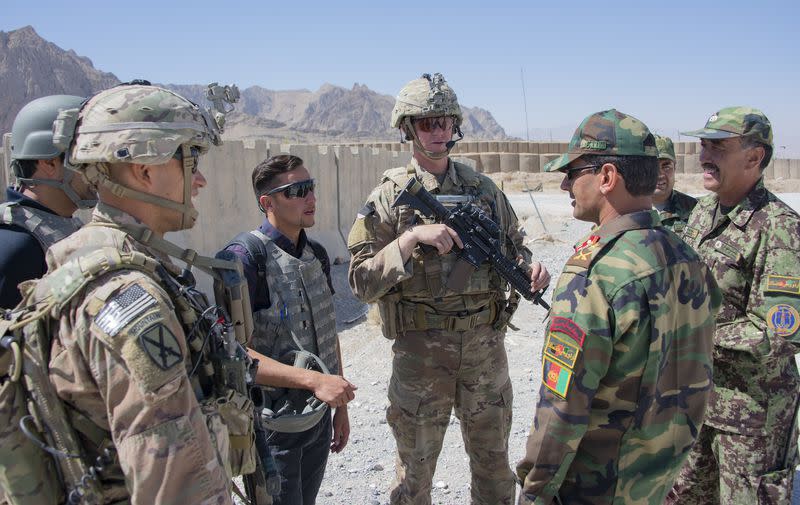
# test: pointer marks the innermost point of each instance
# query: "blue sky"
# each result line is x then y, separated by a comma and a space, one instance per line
671, 64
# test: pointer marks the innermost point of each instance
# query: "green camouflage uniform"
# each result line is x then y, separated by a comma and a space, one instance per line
449, 351
626, 363
743, 454
675, 212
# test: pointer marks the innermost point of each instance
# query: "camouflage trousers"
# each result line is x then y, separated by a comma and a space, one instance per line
732, 469
434, 372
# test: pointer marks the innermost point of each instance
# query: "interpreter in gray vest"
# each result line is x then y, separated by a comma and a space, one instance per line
38, 211
449, 352
292, 298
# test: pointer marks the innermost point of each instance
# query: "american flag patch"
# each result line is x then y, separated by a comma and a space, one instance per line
123, 308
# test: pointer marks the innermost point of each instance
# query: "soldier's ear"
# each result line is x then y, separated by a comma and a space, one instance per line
48, 169
265, 203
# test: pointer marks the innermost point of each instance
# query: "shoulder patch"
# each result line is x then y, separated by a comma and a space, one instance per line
556, 377
124, 308
783, 284
161, 346
691, 233
783, 319
562, 350
367, 210
568, 327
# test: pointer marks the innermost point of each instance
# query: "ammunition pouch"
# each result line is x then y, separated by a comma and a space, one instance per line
387, 309
417, 316
236, 411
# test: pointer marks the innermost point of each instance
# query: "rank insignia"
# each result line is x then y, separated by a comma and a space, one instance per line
562, 351
783, 284
556, 377
691, 233
588, 242
568, 327
783, 319
161, 346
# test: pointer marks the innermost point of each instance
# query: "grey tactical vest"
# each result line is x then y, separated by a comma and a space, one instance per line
301, 314
45, 227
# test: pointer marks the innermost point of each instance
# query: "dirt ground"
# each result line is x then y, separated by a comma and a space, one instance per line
363, 472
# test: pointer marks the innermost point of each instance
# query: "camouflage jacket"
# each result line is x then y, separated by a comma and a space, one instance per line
754, 254
377, 272
119, 361
626, 368
676, 211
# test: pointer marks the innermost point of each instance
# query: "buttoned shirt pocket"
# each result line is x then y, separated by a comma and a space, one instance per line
733, 276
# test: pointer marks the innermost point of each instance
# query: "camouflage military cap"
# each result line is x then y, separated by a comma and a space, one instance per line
424, 97
609, 132
665, 147
736, 122
140, 124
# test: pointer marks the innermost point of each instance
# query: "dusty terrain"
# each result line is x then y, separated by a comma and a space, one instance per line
362, 474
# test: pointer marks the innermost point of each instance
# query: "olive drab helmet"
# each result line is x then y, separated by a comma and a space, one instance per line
32, 139
426, 97
137, 123
288, 410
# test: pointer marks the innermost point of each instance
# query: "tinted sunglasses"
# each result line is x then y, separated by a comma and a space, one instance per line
194, 152
299, 189
428, 124
573, 173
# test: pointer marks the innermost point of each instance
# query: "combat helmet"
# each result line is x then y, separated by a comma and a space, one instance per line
426, 97
289, 410
32, 139
137, 123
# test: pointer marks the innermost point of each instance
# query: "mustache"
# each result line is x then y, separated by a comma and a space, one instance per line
710, 166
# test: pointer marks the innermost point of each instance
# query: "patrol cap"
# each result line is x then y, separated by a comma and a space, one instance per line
736, 122
665, 147
609, 132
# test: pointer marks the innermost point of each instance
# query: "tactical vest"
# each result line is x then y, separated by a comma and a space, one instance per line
45, 227
424, 302
41, 433
301, 315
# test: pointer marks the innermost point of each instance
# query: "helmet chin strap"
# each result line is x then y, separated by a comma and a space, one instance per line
97, 174
64, 184
409, 129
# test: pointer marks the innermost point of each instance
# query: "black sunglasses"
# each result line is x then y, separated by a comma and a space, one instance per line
572, 173
194, 152
299, 189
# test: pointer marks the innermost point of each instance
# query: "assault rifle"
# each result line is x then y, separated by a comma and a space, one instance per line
481, 238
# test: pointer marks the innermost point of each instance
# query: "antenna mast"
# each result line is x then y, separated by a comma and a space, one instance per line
525, 104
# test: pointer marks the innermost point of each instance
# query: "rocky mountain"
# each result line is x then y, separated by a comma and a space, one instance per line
31, 67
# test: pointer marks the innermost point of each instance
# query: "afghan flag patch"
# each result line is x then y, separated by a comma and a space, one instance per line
556, 377
561, 350
783, 284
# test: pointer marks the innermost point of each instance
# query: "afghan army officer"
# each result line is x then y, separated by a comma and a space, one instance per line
626, 363
448, 348
38, 212
673, 206
123, 359
751, 241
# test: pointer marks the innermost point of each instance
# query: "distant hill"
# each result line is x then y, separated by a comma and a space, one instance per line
31, 67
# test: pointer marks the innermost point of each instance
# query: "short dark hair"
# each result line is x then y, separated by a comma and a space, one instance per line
26, 168
640, 173
749, 141
266, 171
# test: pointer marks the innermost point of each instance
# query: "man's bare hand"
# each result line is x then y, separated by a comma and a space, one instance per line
334, 390
440, 236
540, 277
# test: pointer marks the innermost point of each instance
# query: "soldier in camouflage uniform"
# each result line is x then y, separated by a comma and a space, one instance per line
449, 350
626, 363
121, 357
38, 212
751, 241
673, 206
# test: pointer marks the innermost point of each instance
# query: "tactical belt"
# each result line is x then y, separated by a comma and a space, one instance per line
416, 316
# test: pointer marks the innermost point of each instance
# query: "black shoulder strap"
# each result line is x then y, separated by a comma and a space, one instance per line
257, 252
